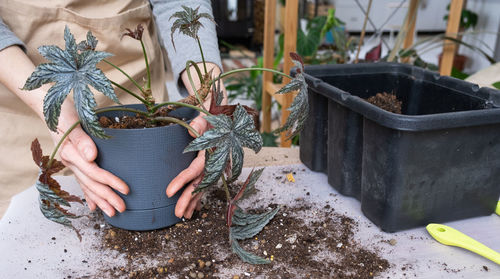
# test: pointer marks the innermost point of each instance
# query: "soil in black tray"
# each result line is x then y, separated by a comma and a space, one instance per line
386, 101
299, 246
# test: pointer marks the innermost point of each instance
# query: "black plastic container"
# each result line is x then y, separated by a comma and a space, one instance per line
438, 161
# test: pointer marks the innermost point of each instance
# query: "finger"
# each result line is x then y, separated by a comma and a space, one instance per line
85, 145
192, 205
185, 198
199, 124
198, 205
71, 156
102, 204
194, 170
90, 203
100, 190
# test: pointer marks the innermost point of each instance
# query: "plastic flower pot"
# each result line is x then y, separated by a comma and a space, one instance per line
438, 161
147, 160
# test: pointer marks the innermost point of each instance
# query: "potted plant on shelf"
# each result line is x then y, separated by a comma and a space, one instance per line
232, 128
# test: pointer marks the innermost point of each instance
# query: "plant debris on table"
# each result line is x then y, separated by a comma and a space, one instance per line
297, 245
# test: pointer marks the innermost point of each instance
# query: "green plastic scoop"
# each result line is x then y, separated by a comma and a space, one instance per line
449, 236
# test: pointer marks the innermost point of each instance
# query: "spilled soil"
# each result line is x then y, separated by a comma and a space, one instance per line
298, 246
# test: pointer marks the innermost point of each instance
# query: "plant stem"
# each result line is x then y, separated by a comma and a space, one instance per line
226, 189
194, 88
248, 70
65, 135
147, 65
195, 65
125, 74
156, 107
202, 56
146, 103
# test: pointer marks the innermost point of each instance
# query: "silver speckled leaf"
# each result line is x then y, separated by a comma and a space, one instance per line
299, 109
228, 137
72, 69
247, 256
188, 22
253, 223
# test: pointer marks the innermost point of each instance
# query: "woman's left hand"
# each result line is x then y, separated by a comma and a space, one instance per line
193, 175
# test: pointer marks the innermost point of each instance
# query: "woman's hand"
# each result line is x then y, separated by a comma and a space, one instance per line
193, 175
78, 153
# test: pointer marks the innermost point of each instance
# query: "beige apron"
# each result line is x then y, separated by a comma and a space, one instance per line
39, 23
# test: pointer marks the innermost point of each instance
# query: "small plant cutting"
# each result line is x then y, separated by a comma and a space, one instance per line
232, 127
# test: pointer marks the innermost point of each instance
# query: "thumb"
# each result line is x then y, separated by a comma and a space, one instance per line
84, 144
199, 124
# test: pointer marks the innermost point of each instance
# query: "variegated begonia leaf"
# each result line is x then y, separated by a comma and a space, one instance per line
246, 256
188, 22
251, 225
299, 109
227, 137
72, 69
51, 196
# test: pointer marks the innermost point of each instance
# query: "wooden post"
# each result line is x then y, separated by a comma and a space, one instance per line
451, 31
290, 42
269, 24
412, 19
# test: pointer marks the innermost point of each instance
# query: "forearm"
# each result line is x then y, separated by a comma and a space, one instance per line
15, 68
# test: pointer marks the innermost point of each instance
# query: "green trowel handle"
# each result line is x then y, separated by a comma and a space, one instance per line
449, 236
498, 208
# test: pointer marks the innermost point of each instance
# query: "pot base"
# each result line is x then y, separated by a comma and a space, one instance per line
144, 220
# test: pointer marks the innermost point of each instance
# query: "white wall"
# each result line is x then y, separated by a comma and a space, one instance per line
488, 26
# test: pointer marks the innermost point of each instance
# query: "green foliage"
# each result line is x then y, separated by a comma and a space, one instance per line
458, 74
72, 69
307, 44
496, 85
228, 137
468, 18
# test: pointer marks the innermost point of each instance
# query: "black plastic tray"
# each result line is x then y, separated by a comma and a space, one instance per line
438, 161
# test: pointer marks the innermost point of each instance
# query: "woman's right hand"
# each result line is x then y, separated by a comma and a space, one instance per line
78, 153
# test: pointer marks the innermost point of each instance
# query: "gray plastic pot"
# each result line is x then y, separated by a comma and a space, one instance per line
147, 160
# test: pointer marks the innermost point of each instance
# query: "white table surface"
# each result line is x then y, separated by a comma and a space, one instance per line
27, 249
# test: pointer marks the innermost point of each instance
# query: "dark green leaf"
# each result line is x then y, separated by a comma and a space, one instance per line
240, 218
253, 223
269, 139
228, 136
496, 85
72, 69
247, 256
254, 176
458, 74
188, 22
299, 109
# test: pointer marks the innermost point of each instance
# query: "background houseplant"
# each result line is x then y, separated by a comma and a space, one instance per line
74, 69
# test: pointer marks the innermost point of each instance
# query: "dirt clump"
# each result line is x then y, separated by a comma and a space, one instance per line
386, 101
